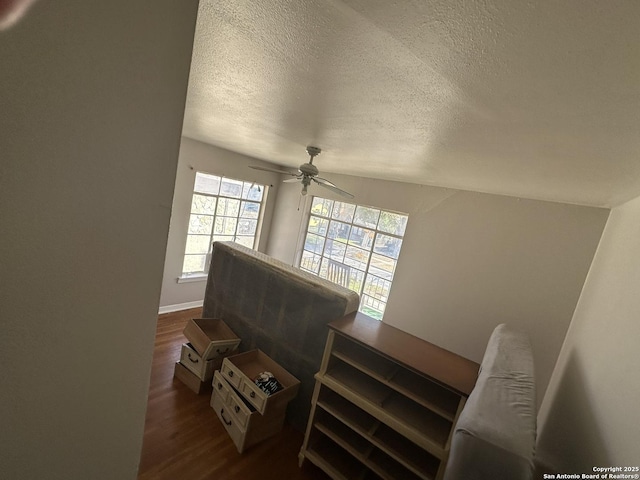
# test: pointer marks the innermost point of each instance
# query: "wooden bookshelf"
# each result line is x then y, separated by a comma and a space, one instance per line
385, 403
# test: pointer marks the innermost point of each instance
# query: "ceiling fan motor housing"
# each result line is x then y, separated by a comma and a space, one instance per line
308, 169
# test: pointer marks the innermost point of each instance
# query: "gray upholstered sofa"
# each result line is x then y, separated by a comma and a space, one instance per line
496, 431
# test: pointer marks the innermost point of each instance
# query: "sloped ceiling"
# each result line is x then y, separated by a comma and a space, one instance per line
531, 99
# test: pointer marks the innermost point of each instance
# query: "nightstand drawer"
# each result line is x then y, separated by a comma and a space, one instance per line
244, 429
228, 419
242, 369
231, 374
252, 392
220, 386
194, 362
189, 378
232, 400
240, 409
211, 337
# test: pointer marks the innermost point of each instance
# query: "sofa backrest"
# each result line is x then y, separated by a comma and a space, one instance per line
278, 309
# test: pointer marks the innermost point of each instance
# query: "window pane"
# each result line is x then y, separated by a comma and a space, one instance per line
343, 211
197, 244
310, 262
231, 188
356, 279
194, 263
356, 257
200, 224
338, 273
335, 250
382, 266
342, 274
339, 231
389, 246
203, 204
206, 183
377, 288
223, 238
318, 225
249, 210
314, 243
392, 223
246, 241
324, 268
228, 207
252, 191
367, 217
372, 307
321, 206
247, 226
361, 237
225, 226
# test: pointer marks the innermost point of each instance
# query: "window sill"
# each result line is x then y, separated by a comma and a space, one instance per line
199, 277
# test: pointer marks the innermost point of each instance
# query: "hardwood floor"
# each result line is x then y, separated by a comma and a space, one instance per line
183, 437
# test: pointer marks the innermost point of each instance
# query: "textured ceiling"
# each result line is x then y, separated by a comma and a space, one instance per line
532, 99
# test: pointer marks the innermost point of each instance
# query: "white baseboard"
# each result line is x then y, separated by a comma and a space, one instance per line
179, 306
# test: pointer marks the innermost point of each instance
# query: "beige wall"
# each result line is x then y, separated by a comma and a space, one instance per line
197, 156
590, 414
91, 109
471, 261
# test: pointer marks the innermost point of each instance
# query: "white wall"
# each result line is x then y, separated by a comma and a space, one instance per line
590, 414
91, 109
197, 156
471, 261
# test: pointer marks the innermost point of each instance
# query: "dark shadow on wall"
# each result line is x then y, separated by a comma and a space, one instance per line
572, 440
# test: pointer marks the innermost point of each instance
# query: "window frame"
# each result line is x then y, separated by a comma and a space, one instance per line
190, 276
369, 277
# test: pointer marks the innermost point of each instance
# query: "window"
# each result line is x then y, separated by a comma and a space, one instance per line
355, 246
221, 209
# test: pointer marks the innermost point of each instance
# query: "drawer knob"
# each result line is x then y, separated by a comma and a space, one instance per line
219, 386
223, 351
236, 408
230, 373
252, 394
228, 422
194, 361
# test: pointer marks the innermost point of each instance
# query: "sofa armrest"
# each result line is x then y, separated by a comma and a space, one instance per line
495, 435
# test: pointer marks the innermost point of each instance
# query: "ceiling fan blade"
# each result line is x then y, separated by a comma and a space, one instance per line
273, 170
330, 186
324, 181
292, 180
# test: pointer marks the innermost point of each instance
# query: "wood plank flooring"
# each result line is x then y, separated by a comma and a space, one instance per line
183, 437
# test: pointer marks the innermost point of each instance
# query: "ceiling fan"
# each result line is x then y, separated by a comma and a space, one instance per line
307, 173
